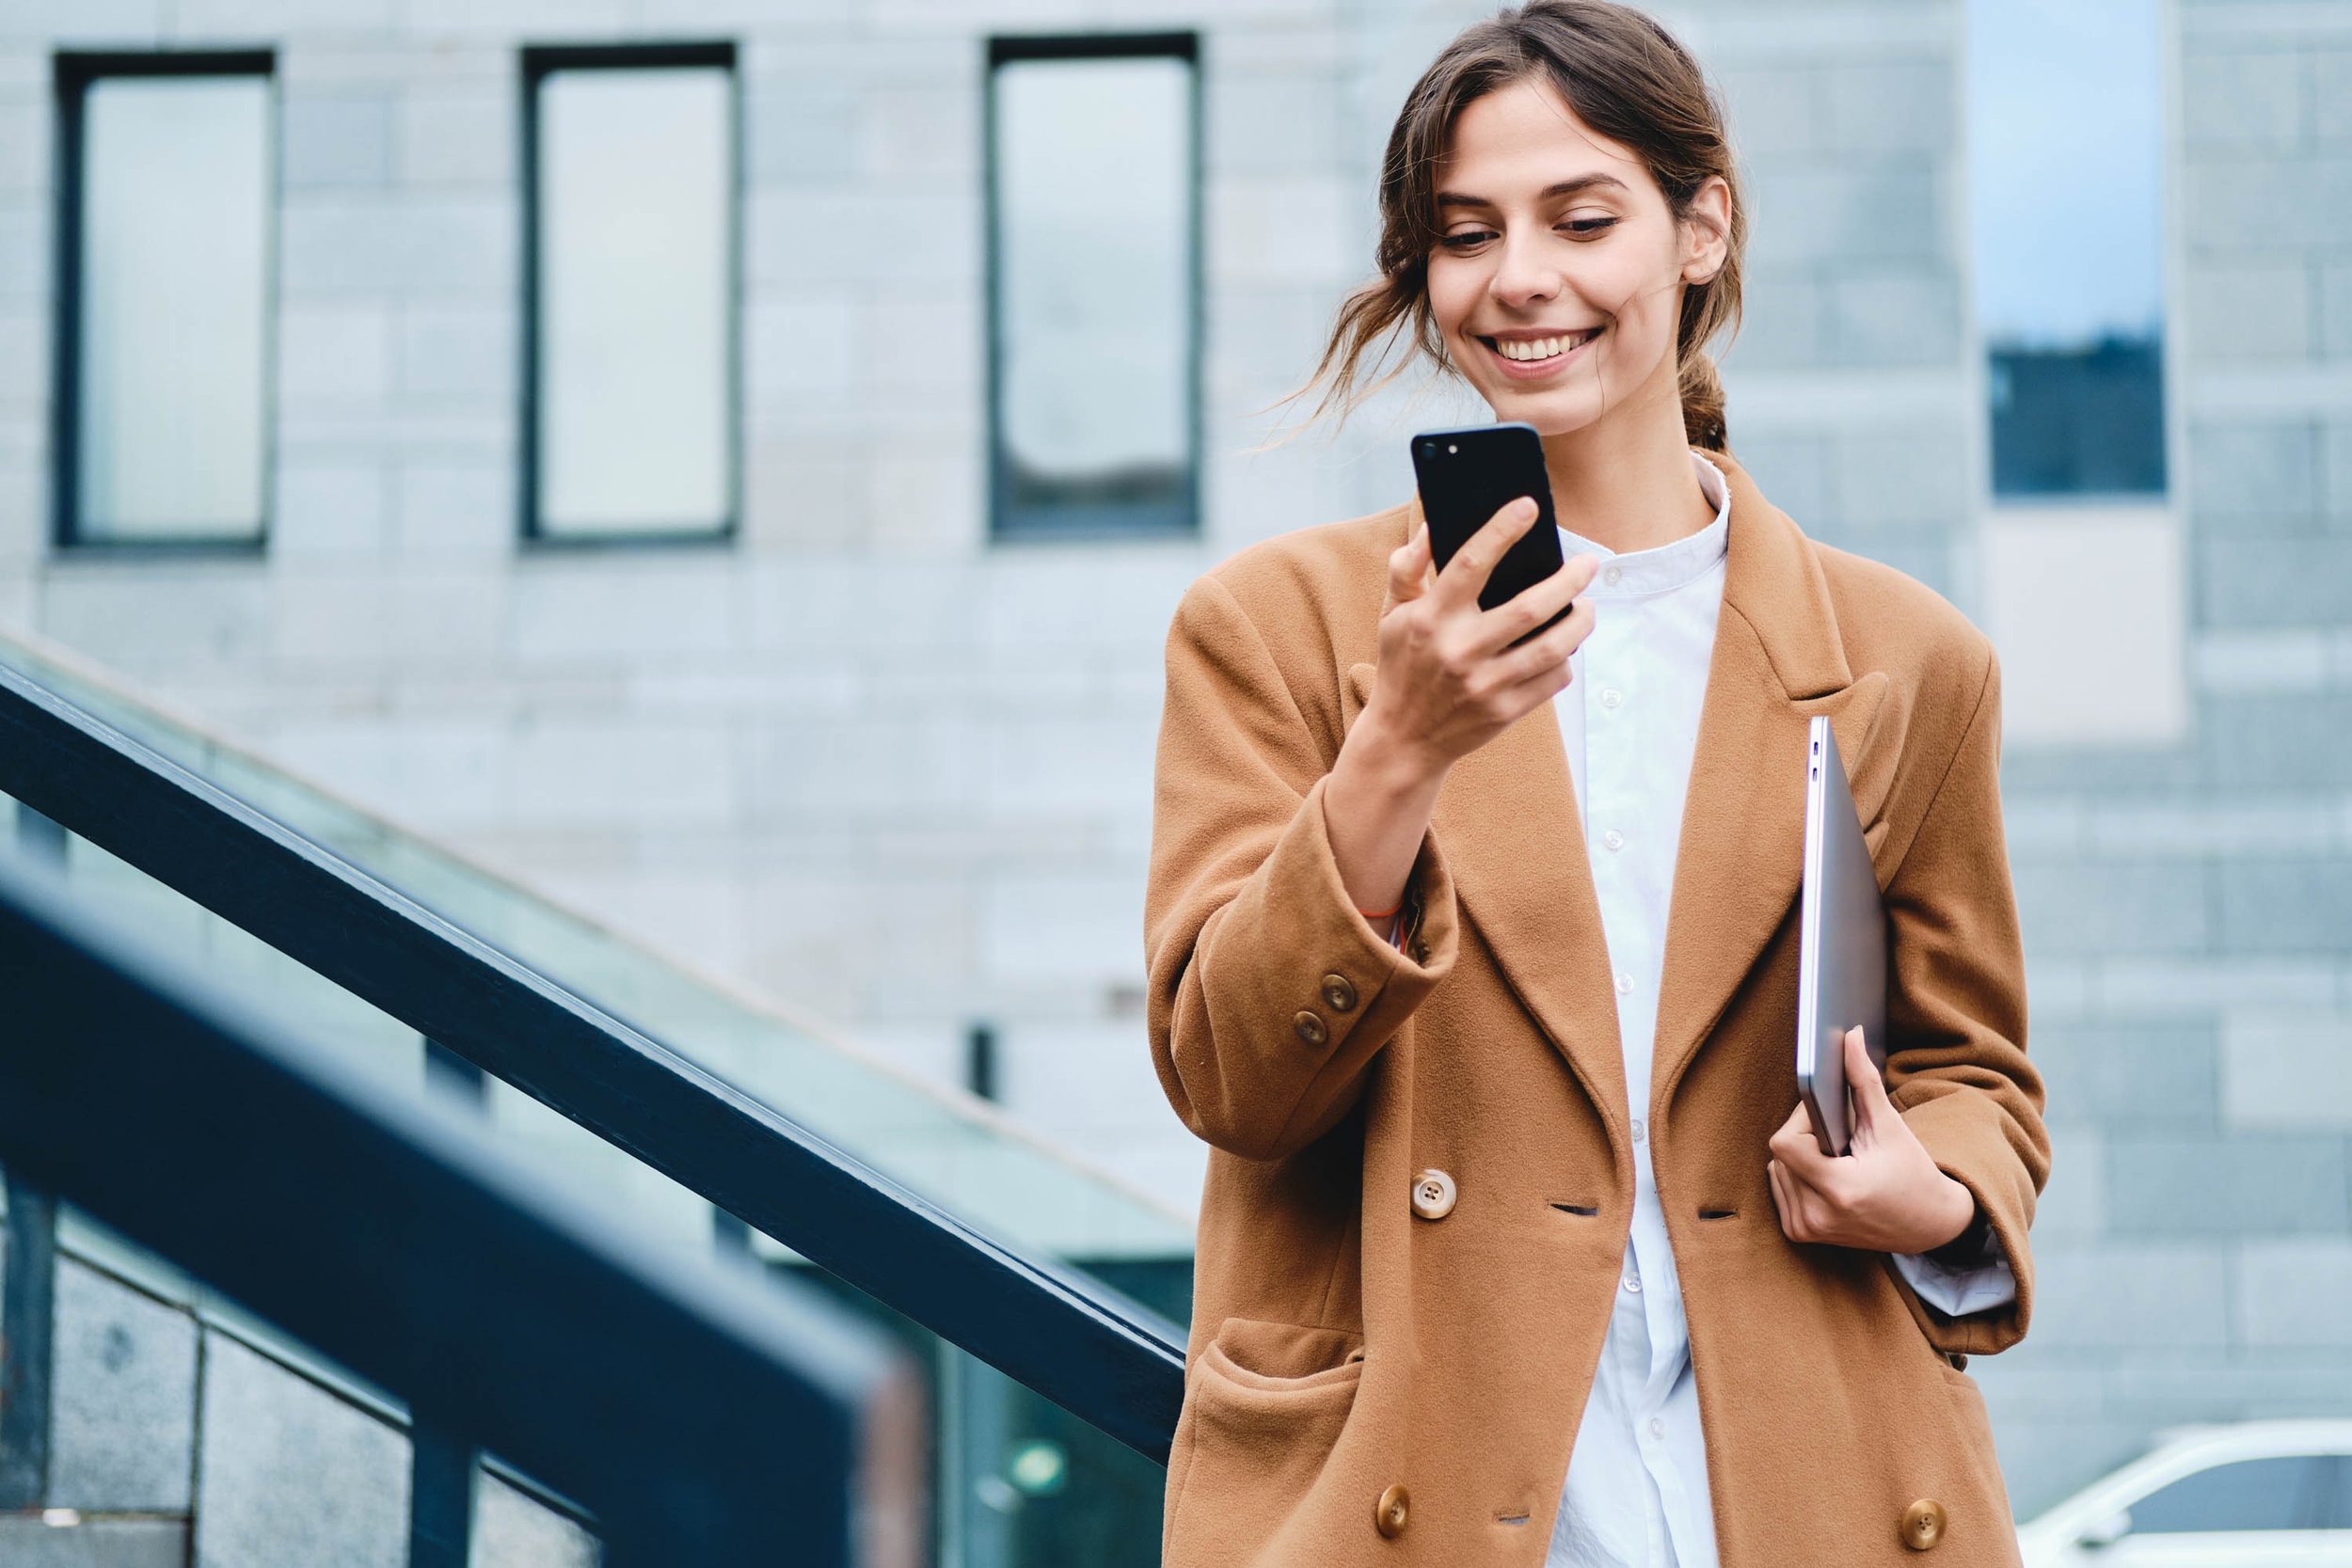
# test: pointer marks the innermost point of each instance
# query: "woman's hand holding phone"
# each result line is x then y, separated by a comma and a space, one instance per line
1449, 682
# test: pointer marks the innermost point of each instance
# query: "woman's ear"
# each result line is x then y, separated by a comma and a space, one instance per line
1706, 230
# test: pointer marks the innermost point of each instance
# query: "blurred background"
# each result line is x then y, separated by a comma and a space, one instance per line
696, 490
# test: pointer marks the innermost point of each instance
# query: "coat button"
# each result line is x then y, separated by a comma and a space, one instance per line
1388, 1514
1923, 1523
1420, 952
1309, 1028
1433, 1194
1337, 993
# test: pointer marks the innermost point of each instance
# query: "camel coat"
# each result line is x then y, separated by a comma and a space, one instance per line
1384, 1372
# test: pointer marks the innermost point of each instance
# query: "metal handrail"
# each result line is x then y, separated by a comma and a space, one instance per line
1090, 1348
703, 1418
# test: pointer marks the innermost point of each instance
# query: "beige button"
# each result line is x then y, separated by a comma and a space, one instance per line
1337, 993
1309, 1028
1388, 1514
1433, 1194
1923, 1523
1420, 952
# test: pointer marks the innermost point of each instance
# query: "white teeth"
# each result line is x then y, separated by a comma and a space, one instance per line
1543, 348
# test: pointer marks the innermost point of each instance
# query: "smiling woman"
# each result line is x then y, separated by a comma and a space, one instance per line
1474, 952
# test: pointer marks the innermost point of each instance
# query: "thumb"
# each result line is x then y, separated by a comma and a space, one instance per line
1409, 568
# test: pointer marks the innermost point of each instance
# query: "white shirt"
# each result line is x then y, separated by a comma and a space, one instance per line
1636, 1494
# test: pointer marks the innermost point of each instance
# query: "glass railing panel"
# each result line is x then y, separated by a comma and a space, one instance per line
955, 1149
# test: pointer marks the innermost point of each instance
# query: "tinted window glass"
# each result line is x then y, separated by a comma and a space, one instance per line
2068, 271
1092, 209
2250, 1494
171, 340
634, 189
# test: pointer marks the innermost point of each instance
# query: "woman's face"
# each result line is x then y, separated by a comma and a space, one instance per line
1558, 275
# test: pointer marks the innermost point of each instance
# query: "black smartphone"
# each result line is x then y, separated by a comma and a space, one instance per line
1466, 476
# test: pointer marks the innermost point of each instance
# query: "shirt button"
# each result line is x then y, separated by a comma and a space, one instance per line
1633, 1283
1612, 838
1657, 1426
1614, 576
1640, 1131
1611, 696
1624, 985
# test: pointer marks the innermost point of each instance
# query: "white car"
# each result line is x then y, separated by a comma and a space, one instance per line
2252, 1494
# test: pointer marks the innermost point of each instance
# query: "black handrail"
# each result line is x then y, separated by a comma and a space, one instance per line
703, 1418
1105, 1359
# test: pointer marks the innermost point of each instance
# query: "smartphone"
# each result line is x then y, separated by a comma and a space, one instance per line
1466, 476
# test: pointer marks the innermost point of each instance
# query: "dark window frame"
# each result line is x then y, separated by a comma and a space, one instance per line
1182, 520
72, 74
537, 62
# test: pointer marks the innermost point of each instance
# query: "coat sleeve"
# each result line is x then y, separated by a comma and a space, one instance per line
1956, 1017
1269, 994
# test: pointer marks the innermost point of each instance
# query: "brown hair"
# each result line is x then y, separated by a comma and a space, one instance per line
1626, 78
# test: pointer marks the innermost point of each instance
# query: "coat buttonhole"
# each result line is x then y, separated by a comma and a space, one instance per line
1578, 1207
1719, 1213
1510, 1518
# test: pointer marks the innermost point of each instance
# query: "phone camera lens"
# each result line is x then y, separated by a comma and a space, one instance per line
1429, 448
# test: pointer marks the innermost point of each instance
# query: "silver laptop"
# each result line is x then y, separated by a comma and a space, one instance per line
1842, 977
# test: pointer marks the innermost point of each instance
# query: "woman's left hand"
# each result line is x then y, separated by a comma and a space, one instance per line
1886, 1195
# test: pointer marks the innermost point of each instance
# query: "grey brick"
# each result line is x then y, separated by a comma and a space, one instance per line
514, 1530
124, 1398
292, 1473
1792, 470
2299, 906
2288, 1070
2331, 92
2243, 98
1904, 317
2113, 907
799, 130
2280, 742
1899, 480
2249, 203
2250, 310
2159, 1074
1883, 105
336, 139
2273, 581
1773, 110
1780, 322
2263, 475
1825, 213
2283, 1185
458, 135
26, 1540
2295, 1293
2119, 1296
2335, 476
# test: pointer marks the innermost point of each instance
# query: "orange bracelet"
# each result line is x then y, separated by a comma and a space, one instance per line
1381, 915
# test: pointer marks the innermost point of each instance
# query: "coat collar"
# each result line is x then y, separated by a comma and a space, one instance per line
1505, 816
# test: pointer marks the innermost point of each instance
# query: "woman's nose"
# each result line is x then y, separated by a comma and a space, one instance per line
1523, 275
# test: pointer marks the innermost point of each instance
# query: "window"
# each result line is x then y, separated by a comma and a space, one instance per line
165, 238
2068, 261
2250, 1495
629, 255
1094, 285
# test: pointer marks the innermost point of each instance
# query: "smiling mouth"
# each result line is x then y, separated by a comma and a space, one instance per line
1534, 351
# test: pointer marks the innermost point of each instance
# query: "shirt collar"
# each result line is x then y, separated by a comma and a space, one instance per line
1668, 566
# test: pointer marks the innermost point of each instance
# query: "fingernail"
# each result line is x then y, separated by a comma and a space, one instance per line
1524, 506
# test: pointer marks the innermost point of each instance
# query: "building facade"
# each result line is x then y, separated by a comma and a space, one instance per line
855, 695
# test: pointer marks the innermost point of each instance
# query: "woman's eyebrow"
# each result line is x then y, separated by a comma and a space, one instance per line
1565, 187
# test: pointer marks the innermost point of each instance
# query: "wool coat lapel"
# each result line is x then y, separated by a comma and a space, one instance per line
1508, 819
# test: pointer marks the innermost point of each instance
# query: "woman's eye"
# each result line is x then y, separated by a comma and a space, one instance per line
1466, 239
1588, 225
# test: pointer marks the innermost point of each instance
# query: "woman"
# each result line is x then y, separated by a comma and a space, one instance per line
1514, 1246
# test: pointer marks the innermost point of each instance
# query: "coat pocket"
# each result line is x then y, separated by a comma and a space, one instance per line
1263, 1410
